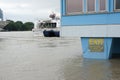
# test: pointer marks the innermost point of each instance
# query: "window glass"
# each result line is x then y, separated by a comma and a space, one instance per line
74, 6
102, 4
117, 4
90, 5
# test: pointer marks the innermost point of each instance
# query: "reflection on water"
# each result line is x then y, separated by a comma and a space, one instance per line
115, 69
84, 69
26, 57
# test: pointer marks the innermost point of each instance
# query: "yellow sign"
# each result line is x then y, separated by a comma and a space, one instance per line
96, 45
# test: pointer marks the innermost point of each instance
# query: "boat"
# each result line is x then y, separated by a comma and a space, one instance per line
51, 33
49, 27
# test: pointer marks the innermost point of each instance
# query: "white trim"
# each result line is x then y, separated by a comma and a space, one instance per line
74, 13
91, 31
87, 7
115, 6
106, 5
83, 6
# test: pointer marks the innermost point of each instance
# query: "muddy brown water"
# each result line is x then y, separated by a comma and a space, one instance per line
24, 56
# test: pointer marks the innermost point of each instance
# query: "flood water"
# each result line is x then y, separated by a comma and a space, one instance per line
24, 56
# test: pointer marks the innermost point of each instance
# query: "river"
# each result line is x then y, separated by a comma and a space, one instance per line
24, 56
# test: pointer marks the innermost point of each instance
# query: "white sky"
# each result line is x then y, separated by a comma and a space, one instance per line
29, 10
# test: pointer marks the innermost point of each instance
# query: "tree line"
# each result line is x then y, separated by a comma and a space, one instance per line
18, 26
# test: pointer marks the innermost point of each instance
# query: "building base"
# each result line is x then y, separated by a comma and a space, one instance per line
96, 48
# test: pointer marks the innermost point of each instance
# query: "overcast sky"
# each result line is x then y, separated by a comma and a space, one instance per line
29, 10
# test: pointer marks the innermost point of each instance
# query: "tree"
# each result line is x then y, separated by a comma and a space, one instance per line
28, 26
19, 26
10, 26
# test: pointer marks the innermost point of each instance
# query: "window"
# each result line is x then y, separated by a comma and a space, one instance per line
91, 6
74, 6
117, 5
102, 5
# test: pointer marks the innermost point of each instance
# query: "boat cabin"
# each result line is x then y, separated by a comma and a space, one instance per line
48, 25
96, 22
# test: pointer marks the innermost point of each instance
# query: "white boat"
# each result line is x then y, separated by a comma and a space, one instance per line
46, 26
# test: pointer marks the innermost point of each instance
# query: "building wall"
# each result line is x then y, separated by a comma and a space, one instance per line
91, 31
106, 24
91, 19
1, 14
108, 17
105, 54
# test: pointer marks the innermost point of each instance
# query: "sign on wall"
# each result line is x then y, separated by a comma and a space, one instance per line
96, 45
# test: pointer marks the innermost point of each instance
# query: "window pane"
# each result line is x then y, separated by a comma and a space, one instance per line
90, 5
73, 6
102, 4
117, 4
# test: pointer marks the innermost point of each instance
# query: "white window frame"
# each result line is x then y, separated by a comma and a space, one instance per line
87, 7
74, 13
105, 6
115, 6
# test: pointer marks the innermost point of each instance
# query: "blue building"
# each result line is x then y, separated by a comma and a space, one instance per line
96, 22
1, 15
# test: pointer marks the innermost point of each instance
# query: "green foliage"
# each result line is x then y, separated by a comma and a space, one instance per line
28, 26
19, 26
10, 26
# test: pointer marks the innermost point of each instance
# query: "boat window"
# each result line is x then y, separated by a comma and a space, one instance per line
91, 6
50, 25
102, 5
117, 5
74, 7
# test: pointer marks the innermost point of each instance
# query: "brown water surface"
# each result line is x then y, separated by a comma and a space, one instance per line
27, 57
